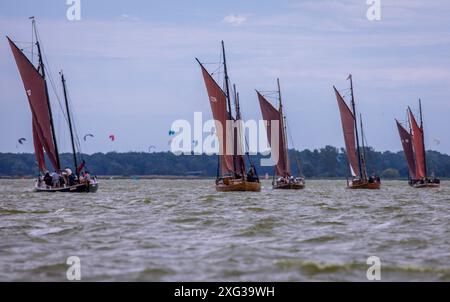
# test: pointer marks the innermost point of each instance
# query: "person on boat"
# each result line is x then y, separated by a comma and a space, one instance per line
47, 179
72, 179
292, 179
64, 179
251, 175
81, 178
55, 180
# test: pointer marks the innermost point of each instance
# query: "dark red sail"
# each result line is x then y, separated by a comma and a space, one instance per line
348, 127
407, 144
35, 89
418, 146
218, 102
38, 149
270, 114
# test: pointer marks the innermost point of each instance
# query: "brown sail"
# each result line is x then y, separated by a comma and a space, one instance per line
218, 102
35, 89
270, 114
38, 149
418, 146
406, 140
348, 127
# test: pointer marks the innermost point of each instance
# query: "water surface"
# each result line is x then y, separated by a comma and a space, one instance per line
183, 230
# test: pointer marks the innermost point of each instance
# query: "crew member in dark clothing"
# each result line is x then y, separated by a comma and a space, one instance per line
251, 175
48, 179
71, 180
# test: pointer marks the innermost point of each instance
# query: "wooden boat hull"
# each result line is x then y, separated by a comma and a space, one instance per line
426, 185
365, 186
80, 188
238, 186
293, 186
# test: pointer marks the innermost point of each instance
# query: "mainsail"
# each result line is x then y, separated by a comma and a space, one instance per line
218, 102
348, 127
38, 149
238, 135
407, 144
270, 114
418, 146
36, 91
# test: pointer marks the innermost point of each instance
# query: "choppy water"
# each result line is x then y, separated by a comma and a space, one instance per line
175, 230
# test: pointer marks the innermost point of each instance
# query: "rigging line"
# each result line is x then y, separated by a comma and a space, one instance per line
218, 70
211, 63
74, 123
23, 42
49, 75
32, 44
368, 153
29, 52
54, 88
268, 92
293, 145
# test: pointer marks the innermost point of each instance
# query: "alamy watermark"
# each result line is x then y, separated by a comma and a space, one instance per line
374, 10
234, 138
74, 10
73, 273
374, 271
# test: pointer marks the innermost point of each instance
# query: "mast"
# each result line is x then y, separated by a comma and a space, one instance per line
423, 137
410, 133
236, 131
227, 88
283, 125
364, 162
63, 80
356, 127
41, 67
236, 103
252, 165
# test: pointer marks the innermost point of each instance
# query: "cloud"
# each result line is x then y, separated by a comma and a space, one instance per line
235, 20
127, 17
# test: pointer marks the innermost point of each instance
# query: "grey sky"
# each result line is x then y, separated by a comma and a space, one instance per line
131, 71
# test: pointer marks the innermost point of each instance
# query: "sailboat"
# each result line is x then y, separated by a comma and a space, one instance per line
413, 143
231, 170
282, 177
356, 157
44, 137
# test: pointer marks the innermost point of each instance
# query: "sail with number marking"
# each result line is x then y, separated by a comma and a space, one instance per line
218, 103
36, 91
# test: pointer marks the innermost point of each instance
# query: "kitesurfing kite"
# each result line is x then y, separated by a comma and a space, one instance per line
87, 135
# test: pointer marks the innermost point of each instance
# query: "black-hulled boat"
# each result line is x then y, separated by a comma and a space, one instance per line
355, 156
282, 177
44, 138
413, 143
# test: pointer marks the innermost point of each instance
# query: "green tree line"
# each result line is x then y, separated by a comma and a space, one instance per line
327, 162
